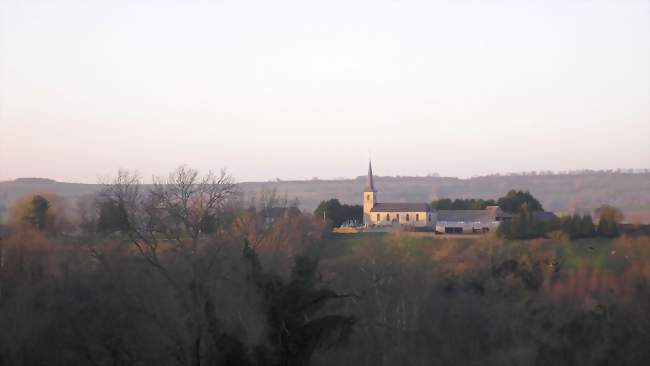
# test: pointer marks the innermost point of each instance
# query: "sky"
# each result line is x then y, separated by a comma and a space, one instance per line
303, 89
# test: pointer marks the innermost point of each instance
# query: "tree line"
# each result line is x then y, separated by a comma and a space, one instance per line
511, 202
337, 214
526, 225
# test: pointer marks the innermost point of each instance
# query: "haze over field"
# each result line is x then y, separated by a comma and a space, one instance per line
560, 192
295, 89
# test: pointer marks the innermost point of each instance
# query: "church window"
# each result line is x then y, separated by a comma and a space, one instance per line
368, 197
417, 217
387, 217
407, 217
378, 219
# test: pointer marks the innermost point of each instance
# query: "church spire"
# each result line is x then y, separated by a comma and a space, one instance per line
370, 184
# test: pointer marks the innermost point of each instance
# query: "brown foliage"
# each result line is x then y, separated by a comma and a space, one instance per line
57, 214
28, 256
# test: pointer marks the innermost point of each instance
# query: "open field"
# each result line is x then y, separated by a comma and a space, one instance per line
596, 253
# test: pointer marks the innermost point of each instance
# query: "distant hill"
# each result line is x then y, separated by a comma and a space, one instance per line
557, 192
566, 192
34, 180
12, 190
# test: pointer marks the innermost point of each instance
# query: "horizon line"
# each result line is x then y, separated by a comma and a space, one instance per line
529, 173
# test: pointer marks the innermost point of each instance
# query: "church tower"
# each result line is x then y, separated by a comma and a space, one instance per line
369, 197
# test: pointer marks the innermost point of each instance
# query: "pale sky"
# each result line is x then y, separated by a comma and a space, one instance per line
302, 89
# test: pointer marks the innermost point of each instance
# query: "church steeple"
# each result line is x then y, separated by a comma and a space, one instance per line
369, 197
370, 184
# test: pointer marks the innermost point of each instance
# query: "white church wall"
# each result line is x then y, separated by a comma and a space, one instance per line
400, 217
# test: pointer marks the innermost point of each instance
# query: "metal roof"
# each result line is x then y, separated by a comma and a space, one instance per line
544, 215
467, 215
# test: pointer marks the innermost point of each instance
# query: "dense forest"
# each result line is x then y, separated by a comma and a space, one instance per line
188, 271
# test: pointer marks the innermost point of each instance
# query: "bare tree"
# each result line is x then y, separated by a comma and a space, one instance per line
173, 213
86, 213
166, 224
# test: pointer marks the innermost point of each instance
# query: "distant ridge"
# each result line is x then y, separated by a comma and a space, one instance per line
561, 191
34, 180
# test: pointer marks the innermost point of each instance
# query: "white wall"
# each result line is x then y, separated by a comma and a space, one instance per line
422, 222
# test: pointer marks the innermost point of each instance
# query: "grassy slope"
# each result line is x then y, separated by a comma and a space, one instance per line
595, 253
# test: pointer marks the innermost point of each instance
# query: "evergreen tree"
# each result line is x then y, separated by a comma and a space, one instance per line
338, 213
37, 214
587, 228
575, 227
523, 226
442, 204
462, 204
514, 200
294, 312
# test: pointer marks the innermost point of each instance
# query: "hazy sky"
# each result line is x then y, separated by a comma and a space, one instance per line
298, 89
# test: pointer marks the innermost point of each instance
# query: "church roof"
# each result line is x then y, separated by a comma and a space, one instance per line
401, 207
370, 183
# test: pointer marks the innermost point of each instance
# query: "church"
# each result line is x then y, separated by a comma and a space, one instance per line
380, 215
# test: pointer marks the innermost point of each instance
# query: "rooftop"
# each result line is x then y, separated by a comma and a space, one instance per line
401, 207
489, 214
